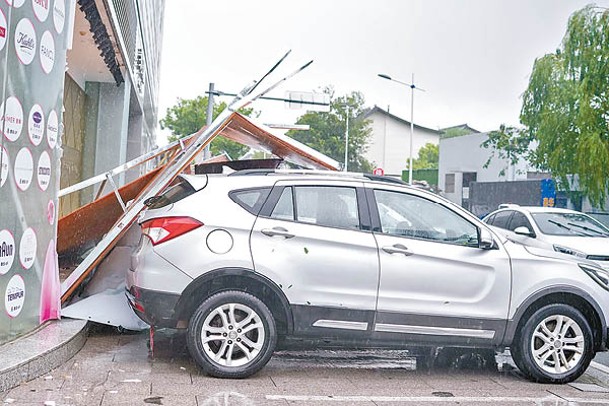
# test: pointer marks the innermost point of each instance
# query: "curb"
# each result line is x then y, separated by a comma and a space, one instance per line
599, 367
38, 353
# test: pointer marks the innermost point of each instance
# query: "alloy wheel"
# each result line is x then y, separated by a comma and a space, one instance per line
557, 344
232, 335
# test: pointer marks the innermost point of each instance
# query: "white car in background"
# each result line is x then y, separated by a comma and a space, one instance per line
562, 230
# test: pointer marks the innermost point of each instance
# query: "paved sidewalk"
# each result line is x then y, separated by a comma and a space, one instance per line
115, 369
37, 353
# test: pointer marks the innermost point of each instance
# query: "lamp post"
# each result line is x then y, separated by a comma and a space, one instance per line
412, 89
346, 140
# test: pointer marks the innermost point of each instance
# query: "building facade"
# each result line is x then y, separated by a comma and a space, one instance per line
111, 90
79, 97
389, 146
463, 160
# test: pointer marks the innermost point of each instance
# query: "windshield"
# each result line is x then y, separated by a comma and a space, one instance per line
569, 224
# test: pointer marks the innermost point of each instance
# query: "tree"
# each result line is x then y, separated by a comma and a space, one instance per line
327, 130
565, 108
189, 115
454, 132
508, 143
428, 157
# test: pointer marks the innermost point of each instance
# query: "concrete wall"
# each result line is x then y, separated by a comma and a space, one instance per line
486, 197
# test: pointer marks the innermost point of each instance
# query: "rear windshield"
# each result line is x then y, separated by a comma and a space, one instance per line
569, 224
175, 193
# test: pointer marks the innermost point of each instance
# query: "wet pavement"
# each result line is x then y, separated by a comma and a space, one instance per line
116, 369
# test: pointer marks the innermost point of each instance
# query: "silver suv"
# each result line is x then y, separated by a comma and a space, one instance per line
256, 260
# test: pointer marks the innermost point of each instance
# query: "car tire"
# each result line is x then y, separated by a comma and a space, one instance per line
555, 345
232, 334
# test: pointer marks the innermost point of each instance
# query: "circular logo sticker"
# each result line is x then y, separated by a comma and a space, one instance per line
3, 166
12, 120
25, 41
35, 124
59, 15
3, 29
24, 169
7, 251
52, 129
51, 212
47, 52
27, 248
15, 3
14, 296
44, 170
41, 9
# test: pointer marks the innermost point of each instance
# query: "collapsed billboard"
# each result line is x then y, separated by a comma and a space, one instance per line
33, 40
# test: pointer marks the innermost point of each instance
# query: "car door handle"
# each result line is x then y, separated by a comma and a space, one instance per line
397, 249
280, 231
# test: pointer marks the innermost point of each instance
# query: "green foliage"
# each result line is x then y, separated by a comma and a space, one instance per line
428, 157
565, 109
189, 115
454, 132
566, 106
327, 132
509, 143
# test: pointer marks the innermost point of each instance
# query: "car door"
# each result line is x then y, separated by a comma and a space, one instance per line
313, 239
435, 283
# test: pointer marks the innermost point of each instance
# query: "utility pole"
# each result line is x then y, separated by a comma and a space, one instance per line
210, 113
346, 141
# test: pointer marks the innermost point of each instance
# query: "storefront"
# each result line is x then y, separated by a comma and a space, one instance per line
33, 42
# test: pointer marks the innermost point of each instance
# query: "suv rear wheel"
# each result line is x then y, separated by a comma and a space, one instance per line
555, 345
232, 335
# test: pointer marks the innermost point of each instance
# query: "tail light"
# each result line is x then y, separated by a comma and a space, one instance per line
167, 228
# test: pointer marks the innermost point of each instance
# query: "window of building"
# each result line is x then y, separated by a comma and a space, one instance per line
449, 183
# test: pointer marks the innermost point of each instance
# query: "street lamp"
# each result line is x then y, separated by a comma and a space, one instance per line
412, 89
346, 140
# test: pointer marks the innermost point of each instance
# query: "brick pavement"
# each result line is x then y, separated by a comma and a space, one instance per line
115, 369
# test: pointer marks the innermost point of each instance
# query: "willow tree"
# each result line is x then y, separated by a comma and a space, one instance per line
566, 106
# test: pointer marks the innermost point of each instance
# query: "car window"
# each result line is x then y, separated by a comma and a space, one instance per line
502, 218
284, 209
519, 220
250, 199
411, 216
490, 219
327, 206
180, 190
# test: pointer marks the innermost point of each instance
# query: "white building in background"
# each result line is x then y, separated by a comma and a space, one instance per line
389, 145
462, 160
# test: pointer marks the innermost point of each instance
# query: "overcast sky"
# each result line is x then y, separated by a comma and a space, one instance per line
473, 57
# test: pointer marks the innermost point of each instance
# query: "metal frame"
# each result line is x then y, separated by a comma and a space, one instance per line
173, 168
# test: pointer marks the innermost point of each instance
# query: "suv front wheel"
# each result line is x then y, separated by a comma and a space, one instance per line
232, 335
555, 345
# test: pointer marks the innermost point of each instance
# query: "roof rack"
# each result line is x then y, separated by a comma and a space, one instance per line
356, 175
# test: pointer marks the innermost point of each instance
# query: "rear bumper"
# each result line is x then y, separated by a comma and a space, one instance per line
153, 307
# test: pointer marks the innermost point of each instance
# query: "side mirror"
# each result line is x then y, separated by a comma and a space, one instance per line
522, 230
486, 240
